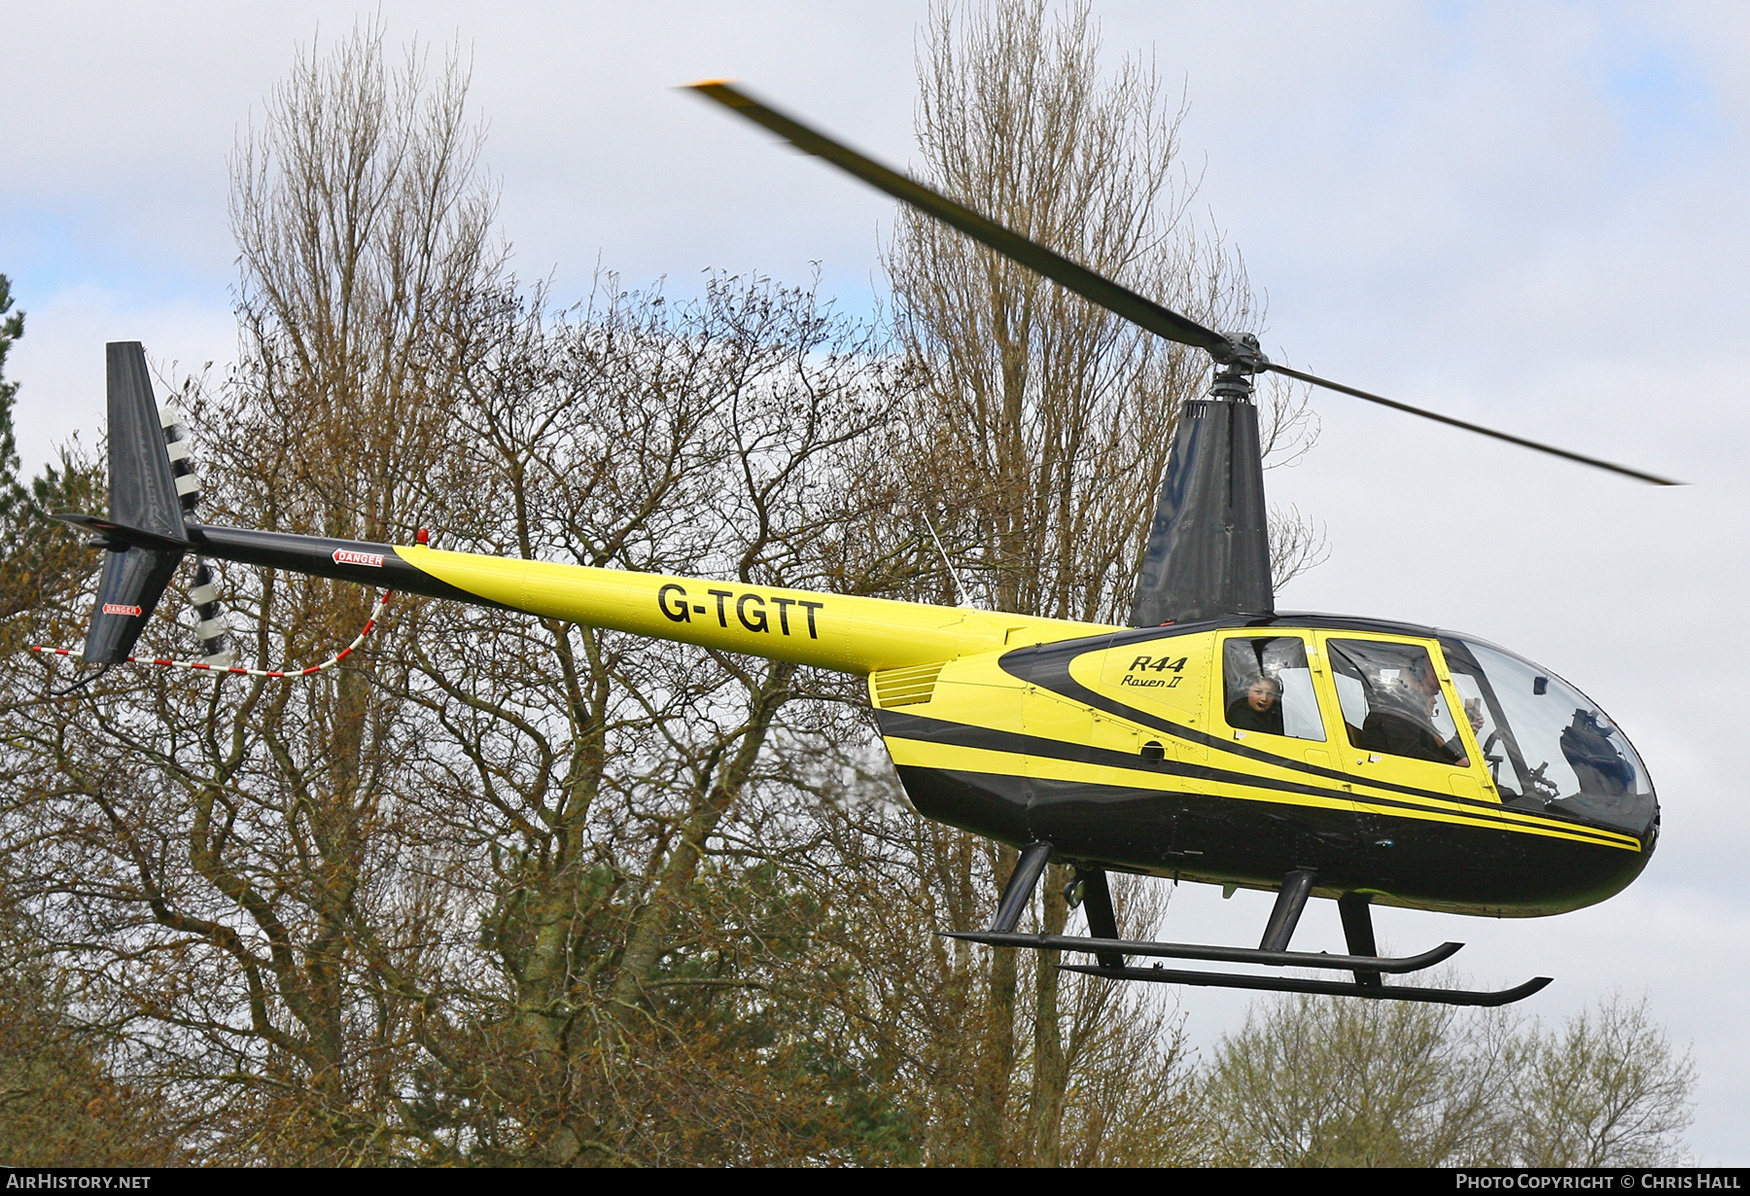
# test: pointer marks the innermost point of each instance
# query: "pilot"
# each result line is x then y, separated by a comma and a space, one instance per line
1401, 735
1259, 708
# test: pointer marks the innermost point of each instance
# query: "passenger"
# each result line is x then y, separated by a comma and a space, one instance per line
1259, 708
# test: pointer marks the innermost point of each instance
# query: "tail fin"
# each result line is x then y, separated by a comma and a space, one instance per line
143, 498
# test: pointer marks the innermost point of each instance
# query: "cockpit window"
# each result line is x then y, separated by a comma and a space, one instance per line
1267, 687
1392, 702
1545, 743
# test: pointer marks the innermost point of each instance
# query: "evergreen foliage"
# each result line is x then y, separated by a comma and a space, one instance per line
11, 328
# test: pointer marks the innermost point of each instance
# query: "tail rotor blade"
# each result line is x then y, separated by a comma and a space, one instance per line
1551, 449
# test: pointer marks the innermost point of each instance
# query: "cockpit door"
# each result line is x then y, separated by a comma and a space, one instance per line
1403, 725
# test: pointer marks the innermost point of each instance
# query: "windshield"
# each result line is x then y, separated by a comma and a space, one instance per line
1545, 743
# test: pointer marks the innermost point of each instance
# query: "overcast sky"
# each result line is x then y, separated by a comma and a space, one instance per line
1527, 215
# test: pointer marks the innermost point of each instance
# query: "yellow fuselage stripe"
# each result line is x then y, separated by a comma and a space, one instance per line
832, 631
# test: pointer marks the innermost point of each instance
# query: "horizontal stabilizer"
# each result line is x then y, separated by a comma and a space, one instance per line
119, 535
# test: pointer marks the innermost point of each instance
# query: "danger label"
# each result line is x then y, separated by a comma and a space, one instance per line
346, 556
116, 608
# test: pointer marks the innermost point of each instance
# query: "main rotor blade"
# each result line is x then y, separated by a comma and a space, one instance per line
1470, 427
1145, 313
1095, 287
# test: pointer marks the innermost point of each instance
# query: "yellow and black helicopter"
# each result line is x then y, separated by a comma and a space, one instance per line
1214, 739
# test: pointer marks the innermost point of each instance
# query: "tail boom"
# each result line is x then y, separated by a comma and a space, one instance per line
150, 529
834, 631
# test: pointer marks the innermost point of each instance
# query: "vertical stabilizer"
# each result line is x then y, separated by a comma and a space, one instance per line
142, 495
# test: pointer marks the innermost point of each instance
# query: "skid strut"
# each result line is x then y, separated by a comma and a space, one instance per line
1102, 919
1297, 886
1019, 891
1358, 933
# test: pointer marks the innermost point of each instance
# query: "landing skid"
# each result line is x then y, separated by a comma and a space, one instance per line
1215, 954
1363, 959
1282, 959
1331, 988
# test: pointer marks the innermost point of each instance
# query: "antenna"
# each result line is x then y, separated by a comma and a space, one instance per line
958, 588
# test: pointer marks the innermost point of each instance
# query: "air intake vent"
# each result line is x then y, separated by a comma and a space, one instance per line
905, 687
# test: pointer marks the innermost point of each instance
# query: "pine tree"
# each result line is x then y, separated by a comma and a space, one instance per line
11, 328
39, 563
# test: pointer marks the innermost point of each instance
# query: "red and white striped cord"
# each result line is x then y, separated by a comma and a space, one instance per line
370, 625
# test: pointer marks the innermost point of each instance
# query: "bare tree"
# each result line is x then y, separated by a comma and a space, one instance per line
1607, 1089
364, 226
1041, 438
485, 893
228, 872
60, 1102
589, 781
505, 889
1319, 1082
1310, 1081
1057, 414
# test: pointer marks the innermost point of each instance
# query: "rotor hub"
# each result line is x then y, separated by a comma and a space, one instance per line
1241, 354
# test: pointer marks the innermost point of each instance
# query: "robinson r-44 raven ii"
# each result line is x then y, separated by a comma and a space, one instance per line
1212, 740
